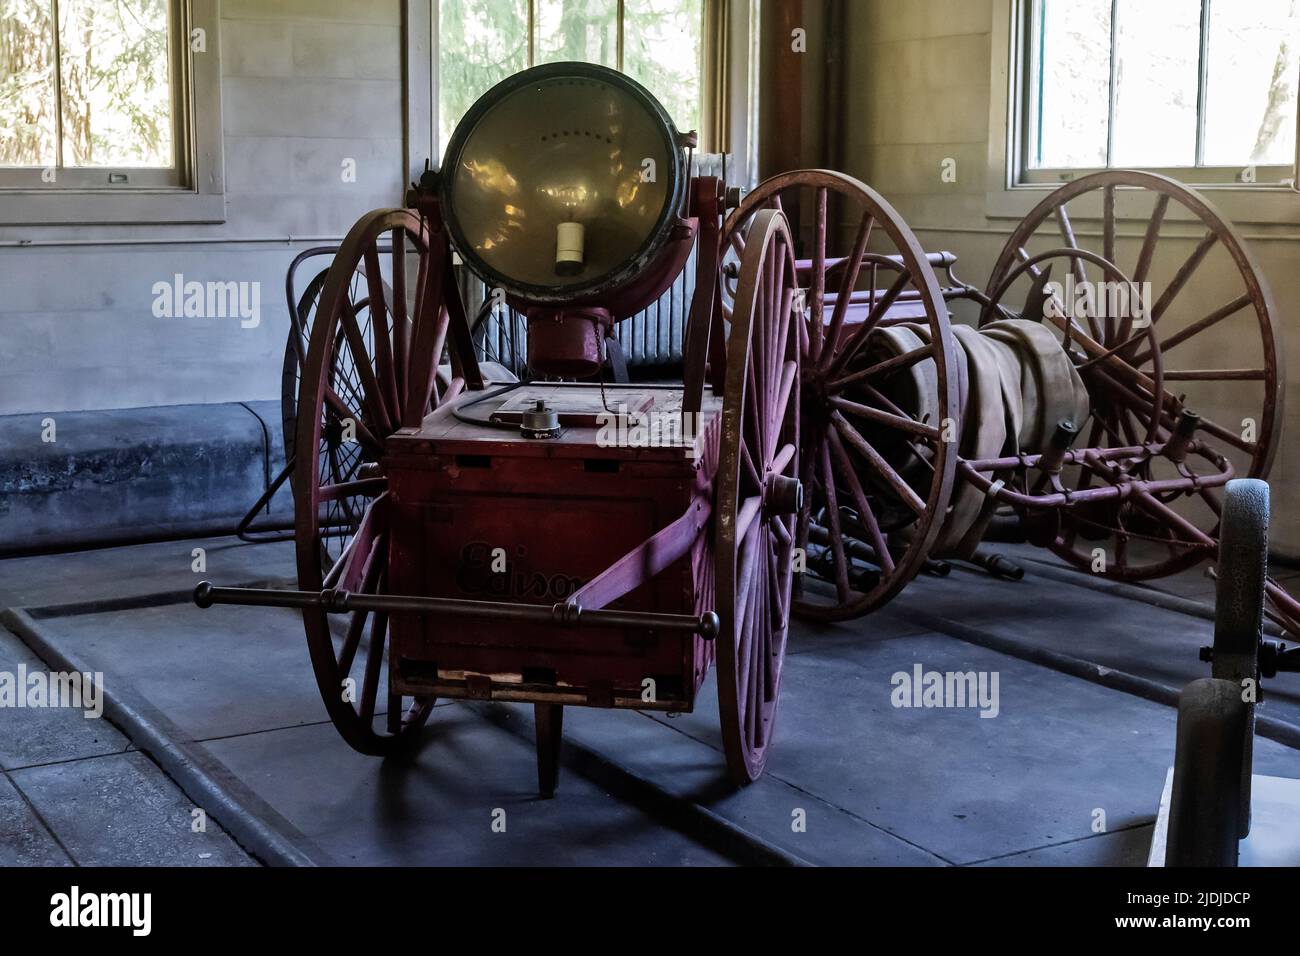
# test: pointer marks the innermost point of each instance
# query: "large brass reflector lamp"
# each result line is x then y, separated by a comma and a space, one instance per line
563, 186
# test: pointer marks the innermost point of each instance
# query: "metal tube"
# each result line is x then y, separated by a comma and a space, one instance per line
563, 615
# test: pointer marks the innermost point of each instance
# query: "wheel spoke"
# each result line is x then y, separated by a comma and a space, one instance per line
1108, 253
899, 422
373, 395
760, 638
781, 351
353, 566
1224, 434
766, 333
785, 389
401, 315
1108, 224
812, 454
818, 276
884, 367
782, 458
755, 423
775, 575
1197, 327
352, 639
751, 471
374, 665
1216, 375
746, 514
1076, 264
744, 609
1149, 241
1067, 234
839, 561
364, 487
868, 517
847, 285
851, 347
882, 467
379, 322
1184, 273
344, 412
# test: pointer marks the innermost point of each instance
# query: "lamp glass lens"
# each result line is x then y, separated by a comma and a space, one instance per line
563, 149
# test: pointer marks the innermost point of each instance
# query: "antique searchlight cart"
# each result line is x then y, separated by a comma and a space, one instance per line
511, 541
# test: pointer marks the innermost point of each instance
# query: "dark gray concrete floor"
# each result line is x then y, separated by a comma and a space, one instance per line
1138, 639
74, 792
852, 778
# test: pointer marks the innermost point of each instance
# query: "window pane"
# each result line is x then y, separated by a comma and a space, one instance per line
585, 30
480, 43
1071, 85
1159, 52
116, 81
1250, 112
661, 50
26, 83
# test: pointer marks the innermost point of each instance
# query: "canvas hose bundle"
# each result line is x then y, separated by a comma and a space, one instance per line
1015, 383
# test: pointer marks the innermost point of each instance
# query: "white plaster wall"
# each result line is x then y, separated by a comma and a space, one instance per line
305, 84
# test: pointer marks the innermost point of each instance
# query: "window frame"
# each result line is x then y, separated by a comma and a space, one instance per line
1014, 188
710, 79
1200, 172
190, 191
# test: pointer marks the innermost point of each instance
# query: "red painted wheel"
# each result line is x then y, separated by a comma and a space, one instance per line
878, 477
758, 495
1202, 349
360, 364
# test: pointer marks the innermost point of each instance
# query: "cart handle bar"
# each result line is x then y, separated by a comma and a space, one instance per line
335, 601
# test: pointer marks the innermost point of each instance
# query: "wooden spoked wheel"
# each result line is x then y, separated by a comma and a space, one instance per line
295, 350
758, 495
295, 353
362, 368
341, 458
877, 475
1204, 343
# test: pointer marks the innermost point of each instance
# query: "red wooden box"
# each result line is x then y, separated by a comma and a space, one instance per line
468, 498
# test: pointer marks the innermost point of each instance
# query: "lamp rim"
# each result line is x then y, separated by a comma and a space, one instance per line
620, 275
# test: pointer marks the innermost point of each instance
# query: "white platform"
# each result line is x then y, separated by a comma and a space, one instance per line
1274, 823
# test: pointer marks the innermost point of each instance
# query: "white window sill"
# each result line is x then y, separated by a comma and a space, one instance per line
1241, 205
100, 207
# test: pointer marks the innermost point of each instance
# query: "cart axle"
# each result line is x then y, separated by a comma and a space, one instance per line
1274, 658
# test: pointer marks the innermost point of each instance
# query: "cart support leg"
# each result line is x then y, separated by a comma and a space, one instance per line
549, 719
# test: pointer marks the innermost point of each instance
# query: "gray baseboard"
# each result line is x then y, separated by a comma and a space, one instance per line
135, 474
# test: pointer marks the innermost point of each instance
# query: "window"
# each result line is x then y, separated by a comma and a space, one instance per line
656, 42
90, 95
1204, 89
